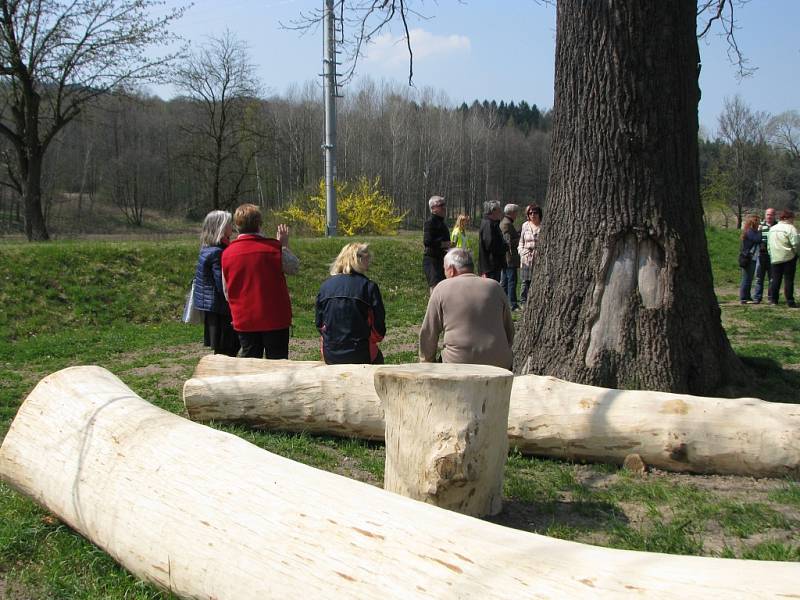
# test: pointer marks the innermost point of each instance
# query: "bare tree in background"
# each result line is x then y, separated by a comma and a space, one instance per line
745, 131
54, 58
220, 81
784, 132
359, 22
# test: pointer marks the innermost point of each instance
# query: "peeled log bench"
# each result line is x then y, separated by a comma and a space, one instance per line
311, 397
208, 515
547, 417
446, 441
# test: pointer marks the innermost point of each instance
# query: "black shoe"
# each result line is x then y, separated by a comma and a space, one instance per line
791, 304
757, 301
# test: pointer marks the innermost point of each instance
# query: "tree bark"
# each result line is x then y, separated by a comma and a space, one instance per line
446, 441
622, 295
547, 416
31, 160
35, 226
204, 514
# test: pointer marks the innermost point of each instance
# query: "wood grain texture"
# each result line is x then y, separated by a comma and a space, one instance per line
547, 416
207, 515
446, 441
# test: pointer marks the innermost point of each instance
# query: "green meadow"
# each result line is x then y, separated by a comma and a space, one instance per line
117, 304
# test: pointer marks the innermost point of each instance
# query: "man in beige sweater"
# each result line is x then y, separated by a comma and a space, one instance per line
472, 312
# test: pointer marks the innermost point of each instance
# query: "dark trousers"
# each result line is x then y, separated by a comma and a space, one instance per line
256, 343
762, 271
526, 286
218, 333
784, 271
434, 270
493, 275
508, 279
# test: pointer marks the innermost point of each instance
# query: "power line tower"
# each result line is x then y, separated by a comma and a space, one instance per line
331, 87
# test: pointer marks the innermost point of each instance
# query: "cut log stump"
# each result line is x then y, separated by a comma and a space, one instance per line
547, 417
207, 515
446, 441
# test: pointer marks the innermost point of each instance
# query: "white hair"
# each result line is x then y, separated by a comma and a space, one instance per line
490, 206
214, 226
510, 208
459, 258
435, 201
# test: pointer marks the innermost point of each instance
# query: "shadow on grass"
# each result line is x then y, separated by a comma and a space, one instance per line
764, 378
543, 517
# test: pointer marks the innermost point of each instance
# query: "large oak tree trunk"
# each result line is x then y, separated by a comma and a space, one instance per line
206, 515
622, 294
547, 416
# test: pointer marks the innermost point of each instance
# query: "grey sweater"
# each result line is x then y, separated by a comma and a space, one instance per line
475, 317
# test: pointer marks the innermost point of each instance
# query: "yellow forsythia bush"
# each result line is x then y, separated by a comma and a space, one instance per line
363, 209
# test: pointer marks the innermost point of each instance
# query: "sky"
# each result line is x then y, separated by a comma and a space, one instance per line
495, 50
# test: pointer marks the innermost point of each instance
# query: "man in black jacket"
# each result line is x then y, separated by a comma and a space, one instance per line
436, 239
492, 248
508, 278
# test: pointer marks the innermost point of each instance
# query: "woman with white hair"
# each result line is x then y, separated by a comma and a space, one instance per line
209, 296
349, 311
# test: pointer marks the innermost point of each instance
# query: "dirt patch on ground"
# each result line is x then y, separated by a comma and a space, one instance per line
12, 591
398, 339
401, 339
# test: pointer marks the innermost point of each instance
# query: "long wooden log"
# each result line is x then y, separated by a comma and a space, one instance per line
312, 397
207, 515
547, 417
446, 441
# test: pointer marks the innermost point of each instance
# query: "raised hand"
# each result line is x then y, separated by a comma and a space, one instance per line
283, 235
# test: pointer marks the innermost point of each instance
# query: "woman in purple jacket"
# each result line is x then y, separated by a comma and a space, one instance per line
209, 296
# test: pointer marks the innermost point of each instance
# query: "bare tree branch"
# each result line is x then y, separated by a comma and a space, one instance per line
722, 12
366, 19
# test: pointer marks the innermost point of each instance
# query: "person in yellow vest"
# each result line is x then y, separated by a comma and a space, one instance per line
458, 236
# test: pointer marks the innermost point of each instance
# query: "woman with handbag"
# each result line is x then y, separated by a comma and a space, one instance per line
751, 241
209, 296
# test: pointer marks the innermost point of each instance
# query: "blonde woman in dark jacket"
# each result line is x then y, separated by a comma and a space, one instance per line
349, 314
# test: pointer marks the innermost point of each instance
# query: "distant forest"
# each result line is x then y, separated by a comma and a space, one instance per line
141, 154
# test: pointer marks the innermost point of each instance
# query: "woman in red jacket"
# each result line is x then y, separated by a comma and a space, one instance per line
253, 270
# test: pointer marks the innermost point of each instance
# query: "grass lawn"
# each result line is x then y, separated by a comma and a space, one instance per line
116, 304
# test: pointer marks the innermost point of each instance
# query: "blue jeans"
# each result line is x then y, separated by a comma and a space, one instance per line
762, 271
747, 281
508, 279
